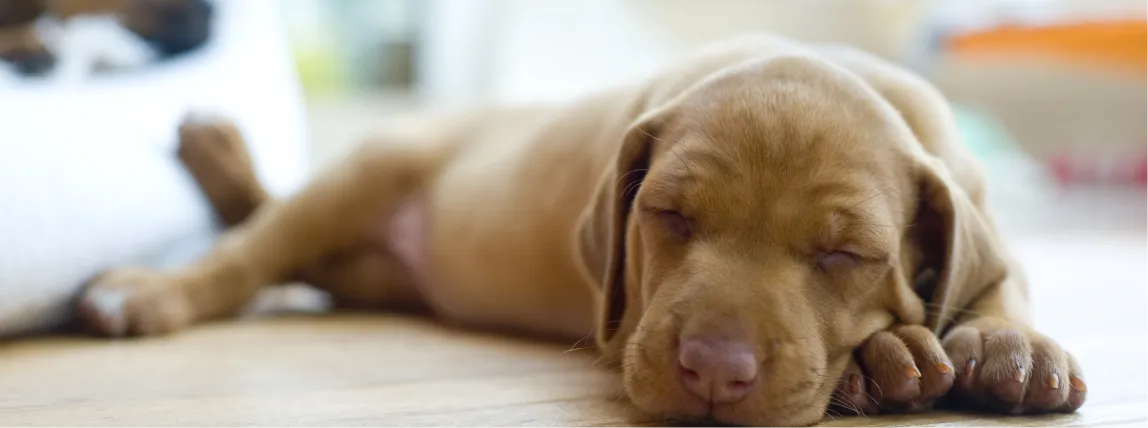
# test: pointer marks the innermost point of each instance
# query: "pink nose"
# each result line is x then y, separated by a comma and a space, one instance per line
718, 371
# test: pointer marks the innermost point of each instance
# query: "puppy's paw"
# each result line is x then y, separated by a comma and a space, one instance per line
125, 302
212, 139
1012, 369
215, 154
904, 369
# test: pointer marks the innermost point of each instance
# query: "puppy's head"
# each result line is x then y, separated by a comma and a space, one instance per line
757, 229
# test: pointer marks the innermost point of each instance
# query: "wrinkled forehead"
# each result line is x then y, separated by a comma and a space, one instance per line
786, 182
796, 109
766, 145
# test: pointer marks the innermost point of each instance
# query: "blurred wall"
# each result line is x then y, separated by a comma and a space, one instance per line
524, 50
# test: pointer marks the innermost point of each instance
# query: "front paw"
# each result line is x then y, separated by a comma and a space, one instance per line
125, 302
1012, 369
901, 370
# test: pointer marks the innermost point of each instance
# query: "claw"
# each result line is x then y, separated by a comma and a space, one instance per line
944, 368
1077, 384
912, 371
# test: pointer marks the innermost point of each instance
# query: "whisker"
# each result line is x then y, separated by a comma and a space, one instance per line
852, 405
633, 171
631, 186
828, 413
866, 392
577, 349
574, 347
643, 131
867, 199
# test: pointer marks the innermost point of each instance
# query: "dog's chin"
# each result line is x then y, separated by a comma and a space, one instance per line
656, 390
694, 411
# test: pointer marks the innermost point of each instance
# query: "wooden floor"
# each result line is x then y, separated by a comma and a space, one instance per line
387, 370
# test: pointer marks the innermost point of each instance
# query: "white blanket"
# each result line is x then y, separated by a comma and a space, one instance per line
88, 175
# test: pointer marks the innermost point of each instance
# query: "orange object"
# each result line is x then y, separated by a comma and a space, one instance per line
1119, 44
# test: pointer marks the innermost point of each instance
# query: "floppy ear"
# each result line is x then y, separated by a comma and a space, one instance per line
601, 235
961, 254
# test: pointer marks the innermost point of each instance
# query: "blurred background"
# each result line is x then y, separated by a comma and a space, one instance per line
1050, 94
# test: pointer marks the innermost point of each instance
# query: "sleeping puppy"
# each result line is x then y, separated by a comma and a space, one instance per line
168, 27
762, 231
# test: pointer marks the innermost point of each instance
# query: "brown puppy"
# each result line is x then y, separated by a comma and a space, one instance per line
754, 234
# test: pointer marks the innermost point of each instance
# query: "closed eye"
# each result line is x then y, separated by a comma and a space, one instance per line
675, 224
837, 261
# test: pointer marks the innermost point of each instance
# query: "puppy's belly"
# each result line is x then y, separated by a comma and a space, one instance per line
405, 235
467, 279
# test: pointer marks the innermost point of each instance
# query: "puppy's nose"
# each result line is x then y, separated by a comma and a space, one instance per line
719, 371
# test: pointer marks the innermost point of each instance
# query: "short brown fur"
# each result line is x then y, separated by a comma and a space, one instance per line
552, 221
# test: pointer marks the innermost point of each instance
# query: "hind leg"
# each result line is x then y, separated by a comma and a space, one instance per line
367, 275
315, 232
